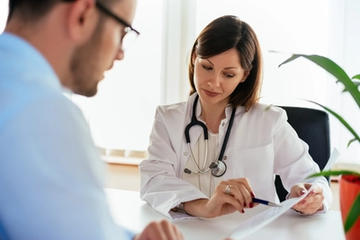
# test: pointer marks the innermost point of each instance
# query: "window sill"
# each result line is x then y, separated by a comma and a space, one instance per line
121, 160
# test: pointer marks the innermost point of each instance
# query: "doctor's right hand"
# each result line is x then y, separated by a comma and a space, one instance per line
229, 196
161, 230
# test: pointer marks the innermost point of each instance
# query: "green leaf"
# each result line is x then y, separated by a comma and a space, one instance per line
356, 76
351, 141
334, 70
334, 173
354, 214
292, 58
341, 120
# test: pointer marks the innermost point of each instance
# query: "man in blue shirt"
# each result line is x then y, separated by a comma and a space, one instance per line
51, 177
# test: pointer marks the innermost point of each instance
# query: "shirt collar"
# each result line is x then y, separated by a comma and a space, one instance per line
228, 109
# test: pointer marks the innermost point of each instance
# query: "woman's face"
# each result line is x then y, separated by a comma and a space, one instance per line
215, 78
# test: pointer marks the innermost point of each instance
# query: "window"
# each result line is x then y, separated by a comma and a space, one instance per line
154, 70
121, 114
4, 5
282, 29
324, 27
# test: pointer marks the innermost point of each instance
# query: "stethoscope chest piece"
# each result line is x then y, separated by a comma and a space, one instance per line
218, 168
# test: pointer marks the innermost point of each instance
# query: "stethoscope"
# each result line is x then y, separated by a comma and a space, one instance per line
218, 168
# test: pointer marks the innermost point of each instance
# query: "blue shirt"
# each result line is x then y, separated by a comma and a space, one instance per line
51, 175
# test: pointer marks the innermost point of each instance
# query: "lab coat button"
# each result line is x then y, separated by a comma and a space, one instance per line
225, 157
223, 124
185, 153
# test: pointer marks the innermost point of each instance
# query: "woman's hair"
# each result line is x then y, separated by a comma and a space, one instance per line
223, 34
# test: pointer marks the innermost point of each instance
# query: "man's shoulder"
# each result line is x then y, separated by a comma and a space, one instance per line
35, 103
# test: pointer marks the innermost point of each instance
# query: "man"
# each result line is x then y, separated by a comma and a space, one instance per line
51, 177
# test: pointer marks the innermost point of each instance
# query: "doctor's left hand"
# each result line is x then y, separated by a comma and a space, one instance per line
312, 202
229, 196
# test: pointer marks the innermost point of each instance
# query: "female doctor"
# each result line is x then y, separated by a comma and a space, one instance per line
210, 155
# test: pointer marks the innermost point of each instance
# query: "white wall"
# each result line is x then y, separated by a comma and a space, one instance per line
183, 19
325, 27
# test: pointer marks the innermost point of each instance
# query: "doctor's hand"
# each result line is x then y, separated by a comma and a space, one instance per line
161, 230
229, 196
312, 202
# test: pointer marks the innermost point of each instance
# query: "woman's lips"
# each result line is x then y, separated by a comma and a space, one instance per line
211, 94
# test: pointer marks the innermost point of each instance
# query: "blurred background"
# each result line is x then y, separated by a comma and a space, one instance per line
154, 70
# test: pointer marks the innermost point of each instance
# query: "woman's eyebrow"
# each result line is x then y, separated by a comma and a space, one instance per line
213, 64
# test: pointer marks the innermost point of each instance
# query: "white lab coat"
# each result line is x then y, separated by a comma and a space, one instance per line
261, 144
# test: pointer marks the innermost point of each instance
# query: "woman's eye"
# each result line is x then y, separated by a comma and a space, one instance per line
207, 67
229, 75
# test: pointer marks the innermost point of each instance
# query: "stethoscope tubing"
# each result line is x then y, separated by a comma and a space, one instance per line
193, 158
219, 167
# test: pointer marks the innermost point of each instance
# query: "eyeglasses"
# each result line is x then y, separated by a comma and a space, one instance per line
130, 33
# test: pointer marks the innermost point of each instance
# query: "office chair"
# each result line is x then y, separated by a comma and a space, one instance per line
312, 126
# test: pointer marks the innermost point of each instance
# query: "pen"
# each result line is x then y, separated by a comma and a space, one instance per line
265, 202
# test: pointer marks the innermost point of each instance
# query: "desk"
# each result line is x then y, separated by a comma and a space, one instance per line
130, 211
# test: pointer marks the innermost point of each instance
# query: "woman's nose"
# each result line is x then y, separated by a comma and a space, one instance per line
214, 81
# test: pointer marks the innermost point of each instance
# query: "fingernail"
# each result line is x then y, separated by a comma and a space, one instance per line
252, 194
303, 201
244, 204
243, 211
302, 192
312, 192
251, 205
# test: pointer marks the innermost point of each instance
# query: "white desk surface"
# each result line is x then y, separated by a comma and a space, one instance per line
130, 211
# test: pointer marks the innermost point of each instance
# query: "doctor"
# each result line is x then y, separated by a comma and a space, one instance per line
210, 155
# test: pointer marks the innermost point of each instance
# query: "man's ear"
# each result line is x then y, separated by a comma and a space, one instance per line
246, 74
81, 20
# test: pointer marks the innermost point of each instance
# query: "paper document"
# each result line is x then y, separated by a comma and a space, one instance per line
258, 221
334, 156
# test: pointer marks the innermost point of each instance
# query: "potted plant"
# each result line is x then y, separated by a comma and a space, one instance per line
349, 180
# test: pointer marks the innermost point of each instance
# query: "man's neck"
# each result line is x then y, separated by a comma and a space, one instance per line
53, 49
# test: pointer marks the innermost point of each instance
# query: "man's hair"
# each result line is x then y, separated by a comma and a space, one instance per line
32, 10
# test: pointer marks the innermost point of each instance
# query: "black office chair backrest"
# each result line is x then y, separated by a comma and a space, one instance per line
312, 126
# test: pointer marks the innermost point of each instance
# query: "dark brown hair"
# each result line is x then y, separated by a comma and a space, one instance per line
225, 33
32, 10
